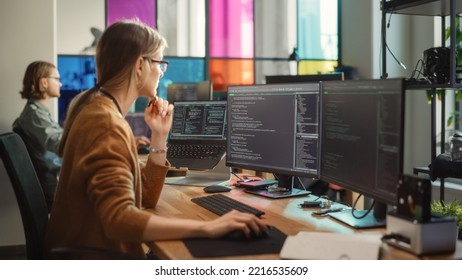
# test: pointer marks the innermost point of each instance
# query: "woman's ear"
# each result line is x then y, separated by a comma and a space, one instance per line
139, 67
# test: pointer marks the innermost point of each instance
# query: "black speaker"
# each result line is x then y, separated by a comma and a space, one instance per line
436, 65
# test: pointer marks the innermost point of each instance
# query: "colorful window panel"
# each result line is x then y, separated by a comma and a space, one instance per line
308, 67
224, 72
182, 23
180, 70
231, 31
275, 28
317, 36
144, 10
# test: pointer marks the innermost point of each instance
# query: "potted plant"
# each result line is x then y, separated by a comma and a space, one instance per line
453, 208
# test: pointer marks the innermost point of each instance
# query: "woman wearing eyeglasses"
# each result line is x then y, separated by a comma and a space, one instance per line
37, 128
104, 194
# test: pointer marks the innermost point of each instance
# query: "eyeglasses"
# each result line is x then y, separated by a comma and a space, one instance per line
163, 64
56, 78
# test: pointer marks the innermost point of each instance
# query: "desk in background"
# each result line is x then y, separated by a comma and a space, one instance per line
175, 201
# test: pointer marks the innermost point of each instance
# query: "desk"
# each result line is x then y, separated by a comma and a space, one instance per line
175, 201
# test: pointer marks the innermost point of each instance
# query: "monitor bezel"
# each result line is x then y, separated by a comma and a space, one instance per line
310, 78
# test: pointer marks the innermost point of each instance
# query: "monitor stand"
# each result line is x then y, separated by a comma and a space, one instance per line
219, 175
283, 189
375, 219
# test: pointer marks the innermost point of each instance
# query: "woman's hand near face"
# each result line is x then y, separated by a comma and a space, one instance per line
158, 115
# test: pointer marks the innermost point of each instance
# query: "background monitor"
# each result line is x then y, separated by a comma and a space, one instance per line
78, 73
190, 91
362, 142
317, 186
275, 128
289, 79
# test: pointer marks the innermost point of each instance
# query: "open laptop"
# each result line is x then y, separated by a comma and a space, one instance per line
197, 139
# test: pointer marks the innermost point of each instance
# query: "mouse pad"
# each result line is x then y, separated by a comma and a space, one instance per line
210, 248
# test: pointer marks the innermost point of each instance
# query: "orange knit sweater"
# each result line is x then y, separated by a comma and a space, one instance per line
103, 188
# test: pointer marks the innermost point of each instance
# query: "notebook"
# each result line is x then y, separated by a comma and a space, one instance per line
331, 246
197, 139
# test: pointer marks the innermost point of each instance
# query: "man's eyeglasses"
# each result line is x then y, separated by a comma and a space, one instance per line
56, 78
163, 64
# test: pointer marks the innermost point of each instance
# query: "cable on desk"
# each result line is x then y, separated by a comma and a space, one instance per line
353, 208
237, 176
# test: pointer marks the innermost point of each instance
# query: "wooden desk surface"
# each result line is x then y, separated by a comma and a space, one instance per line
175, 201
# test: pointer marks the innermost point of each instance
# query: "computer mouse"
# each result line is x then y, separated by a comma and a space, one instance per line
143, 150
216, 189
240, 235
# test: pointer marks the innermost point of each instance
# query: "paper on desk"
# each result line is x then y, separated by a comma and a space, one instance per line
331, 246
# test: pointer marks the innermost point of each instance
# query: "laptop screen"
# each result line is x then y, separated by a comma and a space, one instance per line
199, 120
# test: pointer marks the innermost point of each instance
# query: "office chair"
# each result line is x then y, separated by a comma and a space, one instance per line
31, 200
38, 168
32, 204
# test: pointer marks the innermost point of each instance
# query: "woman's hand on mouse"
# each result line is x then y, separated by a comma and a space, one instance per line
234, 220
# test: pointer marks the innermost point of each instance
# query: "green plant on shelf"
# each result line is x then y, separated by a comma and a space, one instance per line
453, 208
458, 35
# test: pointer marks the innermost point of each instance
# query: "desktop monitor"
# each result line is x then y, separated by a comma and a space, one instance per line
275, 128
362, 142
313, 78
78, 73
190, 91
289, 79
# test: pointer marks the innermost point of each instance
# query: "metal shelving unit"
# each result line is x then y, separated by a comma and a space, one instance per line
441, 8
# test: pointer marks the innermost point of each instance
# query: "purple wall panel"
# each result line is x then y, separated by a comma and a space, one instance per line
145, 10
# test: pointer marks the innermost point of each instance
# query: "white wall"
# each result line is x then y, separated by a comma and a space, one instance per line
75, 18
357, 33
35, 30
27, 29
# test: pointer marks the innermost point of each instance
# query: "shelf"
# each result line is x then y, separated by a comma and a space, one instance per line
441, 8
422, 7
410, 85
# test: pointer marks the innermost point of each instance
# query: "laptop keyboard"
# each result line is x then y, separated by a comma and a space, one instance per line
195, 151
221, 204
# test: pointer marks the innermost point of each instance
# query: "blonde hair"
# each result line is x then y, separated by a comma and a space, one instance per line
121, 44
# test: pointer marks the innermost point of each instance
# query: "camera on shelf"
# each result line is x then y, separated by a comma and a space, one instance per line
436, 63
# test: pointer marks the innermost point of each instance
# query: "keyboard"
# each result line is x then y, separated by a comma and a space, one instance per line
195, 151
221, 204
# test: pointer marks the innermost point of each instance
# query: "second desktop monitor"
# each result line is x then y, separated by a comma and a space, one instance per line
275, 128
